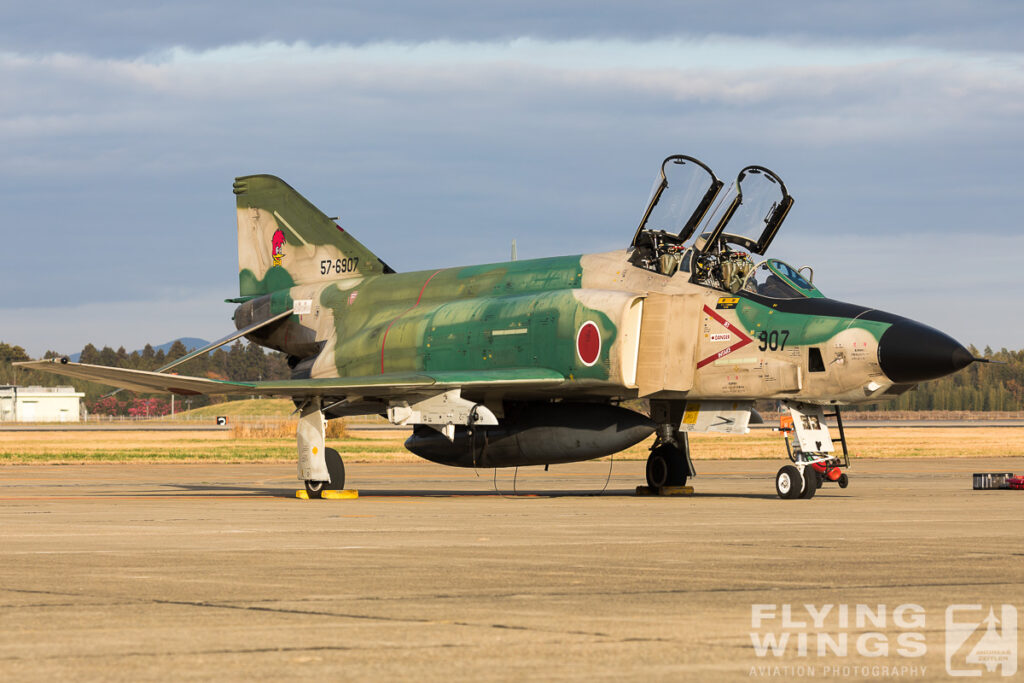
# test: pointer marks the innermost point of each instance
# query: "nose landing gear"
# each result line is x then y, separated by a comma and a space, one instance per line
812, 451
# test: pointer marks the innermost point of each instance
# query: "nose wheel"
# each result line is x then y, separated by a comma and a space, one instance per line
795, 482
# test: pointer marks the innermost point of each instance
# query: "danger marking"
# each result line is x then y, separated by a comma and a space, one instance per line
743, 339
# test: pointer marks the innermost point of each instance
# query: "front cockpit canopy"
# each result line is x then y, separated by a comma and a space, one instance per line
680, 198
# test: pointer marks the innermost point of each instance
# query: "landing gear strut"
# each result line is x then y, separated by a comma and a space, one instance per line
319, 467
669, 463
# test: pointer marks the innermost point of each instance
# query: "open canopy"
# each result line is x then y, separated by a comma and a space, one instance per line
749, 213
680, 198
687, 201
687, 194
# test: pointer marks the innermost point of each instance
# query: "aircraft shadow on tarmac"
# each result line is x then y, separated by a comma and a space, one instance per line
259, 492
617, 493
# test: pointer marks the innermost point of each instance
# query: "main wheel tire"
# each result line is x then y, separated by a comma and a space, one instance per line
843, 481
335, 468
788, 483
666, 466
315, 489
810, 483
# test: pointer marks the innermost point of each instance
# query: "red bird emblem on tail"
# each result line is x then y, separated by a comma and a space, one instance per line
278, 243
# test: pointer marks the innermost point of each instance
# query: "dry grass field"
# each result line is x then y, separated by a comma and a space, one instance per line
276, 444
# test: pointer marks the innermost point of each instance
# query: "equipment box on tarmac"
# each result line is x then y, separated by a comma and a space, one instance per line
992, 480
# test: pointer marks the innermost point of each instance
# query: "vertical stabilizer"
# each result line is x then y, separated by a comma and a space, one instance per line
283, 240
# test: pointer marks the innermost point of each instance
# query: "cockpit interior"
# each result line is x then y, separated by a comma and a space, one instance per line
692, 228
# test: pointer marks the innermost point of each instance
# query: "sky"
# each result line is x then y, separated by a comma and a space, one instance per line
439, 132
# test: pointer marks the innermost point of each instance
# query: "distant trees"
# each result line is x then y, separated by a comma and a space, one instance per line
979, 387
176, 351
10, 354
239, 362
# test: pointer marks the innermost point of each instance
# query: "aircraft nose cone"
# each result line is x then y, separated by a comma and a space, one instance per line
910, 352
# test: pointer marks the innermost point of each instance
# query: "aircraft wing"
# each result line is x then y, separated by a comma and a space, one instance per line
390, 384
399, 383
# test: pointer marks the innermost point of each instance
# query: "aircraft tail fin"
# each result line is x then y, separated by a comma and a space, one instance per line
283, 240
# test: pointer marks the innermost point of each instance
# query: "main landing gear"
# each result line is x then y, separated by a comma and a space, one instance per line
320, 468
335, 472
812, 451
666, 466
669, 463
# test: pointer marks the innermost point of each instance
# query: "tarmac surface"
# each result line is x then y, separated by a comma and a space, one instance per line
200, 571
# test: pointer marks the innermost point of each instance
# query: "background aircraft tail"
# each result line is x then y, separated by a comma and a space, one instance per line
283, 240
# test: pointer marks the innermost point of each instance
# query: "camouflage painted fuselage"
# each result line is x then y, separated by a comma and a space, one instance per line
600, 325
525, 318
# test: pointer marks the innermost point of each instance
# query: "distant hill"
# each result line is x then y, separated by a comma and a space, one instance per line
190, 343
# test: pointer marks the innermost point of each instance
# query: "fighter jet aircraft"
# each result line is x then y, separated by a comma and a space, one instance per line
529, 362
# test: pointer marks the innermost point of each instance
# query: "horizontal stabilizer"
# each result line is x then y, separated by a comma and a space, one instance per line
238, 334
217, 344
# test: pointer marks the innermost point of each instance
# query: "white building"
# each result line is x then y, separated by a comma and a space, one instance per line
40, 404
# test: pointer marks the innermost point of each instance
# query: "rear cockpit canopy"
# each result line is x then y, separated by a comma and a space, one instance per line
748, 214
687, 198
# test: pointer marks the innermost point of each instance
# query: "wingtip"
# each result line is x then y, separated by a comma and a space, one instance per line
63, 360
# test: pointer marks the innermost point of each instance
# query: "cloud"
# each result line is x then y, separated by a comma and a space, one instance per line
120, 28
438, 152
819, 89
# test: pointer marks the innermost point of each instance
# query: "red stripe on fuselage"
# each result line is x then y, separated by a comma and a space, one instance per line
384, 339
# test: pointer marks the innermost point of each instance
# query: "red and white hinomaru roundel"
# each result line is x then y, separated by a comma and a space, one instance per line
588, 343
